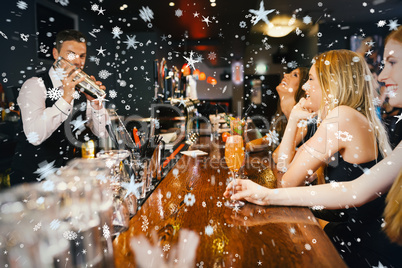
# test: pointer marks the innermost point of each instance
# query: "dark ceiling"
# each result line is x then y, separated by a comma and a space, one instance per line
225, 34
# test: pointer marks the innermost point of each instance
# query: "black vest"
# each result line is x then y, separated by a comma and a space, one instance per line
52, 153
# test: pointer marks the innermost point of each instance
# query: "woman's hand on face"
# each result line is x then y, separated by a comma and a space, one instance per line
247, 190
300, 113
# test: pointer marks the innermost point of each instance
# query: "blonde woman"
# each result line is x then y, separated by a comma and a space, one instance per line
350, 138
365, 244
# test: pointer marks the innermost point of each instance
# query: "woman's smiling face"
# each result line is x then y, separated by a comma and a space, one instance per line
290, 82
313, 91
391, 75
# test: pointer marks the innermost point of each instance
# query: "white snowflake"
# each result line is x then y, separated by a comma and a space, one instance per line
399, 118
292, 64
206, 20
393, 25
390, 93
376, 101
334, 184
60, 73
76, 95
219, 204
104, 74
95, 59
24, 37
242, 24
209, 230
189, 199
166, 247
37, 226
116, 31
48, 186
190, 60
78, 123
32, 137
55, 224
178, 13
317, 207
131, 42
344, 136
157, 123
307, 19
145, 223
302, 123
212, 55
236, 208
261, 14
132, 187
292, 230
101, 10
45, 169
95, 7
70, 235
272, 137
380, 265
22, 5
54, 94
199, 58
63, 2
112, 94
146, 14
381, 23
106, 231
298, 31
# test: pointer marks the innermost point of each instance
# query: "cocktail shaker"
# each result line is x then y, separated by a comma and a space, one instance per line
88, 85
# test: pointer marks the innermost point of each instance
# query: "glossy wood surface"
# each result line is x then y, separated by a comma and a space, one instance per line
254, 236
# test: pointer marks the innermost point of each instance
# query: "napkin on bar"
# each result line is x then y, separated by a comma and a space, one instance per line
168, 137
194, 153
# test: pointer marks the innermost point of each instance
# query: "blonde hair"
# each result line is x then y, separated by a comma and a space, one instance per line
345, 79
393, 212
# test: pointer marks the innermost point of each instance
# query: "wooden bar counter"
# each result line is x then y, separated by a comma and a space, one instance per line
190, 198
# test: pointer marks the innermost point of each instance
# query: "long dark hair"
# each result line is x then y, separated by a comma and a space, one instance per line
280, 121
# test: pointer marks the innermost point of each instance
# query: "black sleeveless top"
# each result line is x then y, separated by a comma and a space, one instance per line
356, 232
55, 150
339, 170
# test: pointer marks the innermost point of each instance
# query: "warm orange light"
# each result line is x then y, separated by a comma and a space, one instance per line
186, 69
211, 80
202, 76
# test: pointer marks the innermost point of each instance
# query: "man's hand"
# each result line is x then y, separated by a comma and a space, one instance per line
96, 103
68, 83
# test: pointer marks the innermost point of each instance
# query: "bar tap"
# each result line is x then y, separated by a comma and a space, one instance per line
156, 80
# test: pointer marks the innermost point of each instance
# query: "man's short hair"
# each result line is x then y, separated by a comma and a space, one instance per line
69, 35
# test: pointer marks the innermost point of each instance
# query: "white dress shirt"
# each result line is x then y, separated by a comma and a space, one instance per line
40, 122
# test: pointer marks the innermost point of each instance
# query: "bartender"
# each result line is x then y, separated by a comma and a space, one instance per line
55, 116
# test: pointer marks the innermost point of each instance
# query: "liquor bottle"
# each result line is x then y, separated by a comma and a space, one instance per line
88, 149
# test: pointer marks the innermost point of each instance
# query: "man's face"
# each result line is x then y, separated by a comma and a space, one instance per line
73, 51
